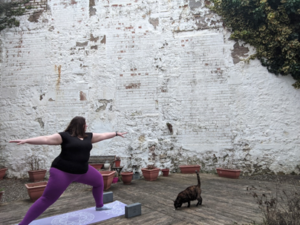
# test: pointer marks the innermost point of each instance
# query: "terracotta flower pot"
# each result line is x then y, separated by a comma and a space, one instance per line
1, 193
108, 177
165, 172
97, 166
229, 173
127, 177
2, 172
117, 163
189, 168
36, 175
150, 174
36, 190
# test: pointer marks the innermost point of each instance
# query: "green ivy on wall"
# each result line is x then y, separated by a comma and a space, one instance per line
271, 26
9, 11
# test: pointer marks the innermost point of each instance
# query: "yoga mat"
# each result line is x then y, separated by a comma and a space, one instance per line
84, 216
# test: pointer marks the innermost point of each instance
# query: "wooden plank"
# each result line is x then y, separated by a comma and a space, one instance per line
102, 159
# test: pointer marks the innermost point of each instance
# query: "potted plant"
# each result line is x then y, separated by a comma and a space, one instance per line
150, 173
165, 172
108, 177
36, 190
189, 168
127, 177
1, 193
36, 163
106, 164
228, 170
229, 173
116, 178
117, 162
2, 172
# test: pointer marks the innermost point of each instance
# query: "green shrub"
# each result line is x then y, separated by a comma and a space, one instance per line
9, 11
271, 26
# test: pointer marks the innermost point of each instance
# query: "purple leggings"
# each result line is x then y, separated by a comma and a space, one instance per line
58, 183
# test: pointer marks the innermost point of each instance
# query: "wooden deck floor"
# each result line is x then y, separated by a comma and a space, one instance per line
225, 201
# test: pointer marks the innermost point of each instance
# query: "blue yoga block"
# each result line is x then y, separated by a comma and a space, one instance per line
107, 197
133, 210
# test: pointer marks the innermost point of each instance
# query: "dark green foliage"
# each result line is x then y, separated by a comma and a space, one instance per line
271, 26
9, 11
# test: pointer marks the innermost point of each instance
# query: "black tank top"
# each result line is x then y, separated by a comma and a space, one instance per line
75, 154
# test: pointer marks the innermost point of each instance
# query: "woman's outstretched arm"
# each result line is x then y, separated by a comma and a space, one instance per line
54, 139
100, 137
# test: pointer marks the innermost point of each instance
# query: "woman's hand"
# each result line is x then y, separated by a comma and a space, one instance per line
121, 134
19, 142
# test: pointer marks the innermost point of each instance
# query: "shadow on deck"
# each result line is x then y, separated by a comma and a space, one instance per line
225, 201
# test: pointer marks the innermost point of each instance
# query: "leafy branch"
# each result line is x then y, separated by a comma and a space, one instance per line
271, 26
9, 11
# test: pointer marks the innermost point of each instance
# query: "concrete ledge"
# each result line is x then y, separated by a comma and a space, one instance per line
133, 210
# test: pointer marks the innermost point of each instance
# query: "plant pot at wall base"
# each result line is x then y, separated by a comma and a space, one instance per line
36, 175
165, 172
108, 177
127, 177
150, 174
97, 166
189, 168
2, 172
229, 173
106, 165
117, 163
1, 193
36, 190
115, 180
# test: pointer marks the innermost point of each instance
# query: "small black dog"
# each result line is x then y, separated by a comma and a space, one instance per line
189, 194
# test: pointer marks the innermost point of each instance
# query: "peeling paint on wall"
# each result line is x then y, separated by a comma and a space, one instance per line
82, 44
195, 4
239, 51
82, 96
35, 16
40, 121
94, 39
103, 41
42, 96
133, 86
154, 22
58, 70
103, 104
92, 9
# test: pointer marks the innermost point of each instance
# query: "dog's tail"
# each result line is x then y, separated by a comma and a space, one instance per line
198, 177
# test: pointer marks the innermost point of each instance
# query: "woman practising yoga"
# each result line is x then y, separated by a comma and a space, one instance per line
71, 165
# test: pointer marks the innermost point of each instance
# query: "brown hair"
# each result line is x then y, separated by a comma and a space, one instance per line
76, 127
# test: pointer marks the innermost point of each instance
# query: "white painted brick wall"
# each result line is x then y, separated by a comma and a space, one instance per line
136, 66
